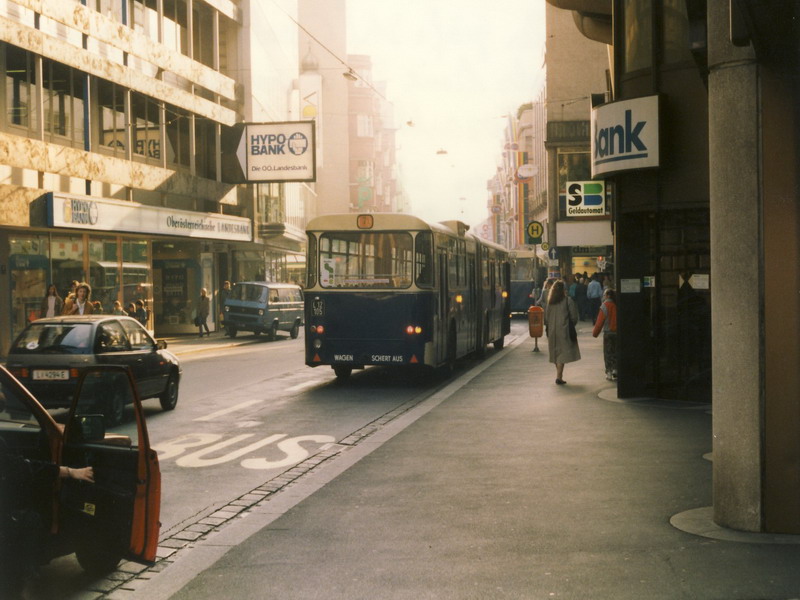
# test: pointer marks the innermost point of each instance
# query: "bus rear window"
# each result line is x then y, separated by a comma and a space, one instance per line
365, 260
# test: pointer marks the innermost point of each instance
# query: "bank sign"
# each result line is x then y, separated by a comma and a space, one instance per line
101, 214
277, 152
625, 136
586, 199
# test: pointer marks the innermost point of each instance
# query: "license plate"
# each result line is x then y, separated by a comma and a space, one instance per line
51, 375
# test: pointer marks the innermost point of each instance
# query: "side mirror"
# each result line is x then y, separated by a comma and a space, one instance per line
89, 428
161, 344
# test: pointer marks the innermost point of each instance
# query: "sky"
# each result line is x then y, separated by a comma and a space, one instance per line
453, 68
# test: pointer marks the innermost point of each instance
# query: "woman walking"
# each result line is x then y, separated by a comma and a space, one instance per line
560, 317
52, 304
203, 309
81, 302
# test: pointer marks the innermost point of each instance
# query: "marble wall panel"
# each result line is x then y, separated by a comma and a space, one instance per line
24, 153
116, 34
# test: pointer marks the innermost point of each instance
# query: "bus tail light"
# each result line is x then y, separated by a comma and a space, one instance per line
318, 329
413, 329
73, 373
505, 294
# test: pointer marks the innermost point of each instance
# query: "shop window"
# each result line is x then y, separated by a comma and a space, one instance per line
111, 116
104, 273
20, 88
146, 134
136, 282
638, 22
66, 257
177, 128
29, 268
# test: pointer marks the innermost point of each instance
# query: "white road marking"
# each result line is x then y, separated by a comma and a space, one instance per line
230, 409
302, 386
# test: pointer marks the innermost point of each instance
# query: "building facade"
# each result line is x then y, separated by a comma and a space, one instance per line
704, 236
113, 118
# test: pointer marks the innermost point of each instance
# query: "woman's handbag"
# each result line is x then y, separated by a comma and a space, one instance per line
197, 321
573, 333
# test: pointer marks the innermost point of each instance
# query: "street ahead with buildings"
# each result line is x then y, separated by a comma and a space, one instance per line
661, 150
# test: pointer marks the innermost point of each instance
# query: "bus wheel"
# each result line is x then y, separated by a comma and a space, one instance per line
231, 331
342, 373
498, 344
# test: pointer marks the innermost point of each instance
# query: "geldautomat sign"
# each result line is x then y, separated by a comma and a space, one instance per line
625, 136
275, 152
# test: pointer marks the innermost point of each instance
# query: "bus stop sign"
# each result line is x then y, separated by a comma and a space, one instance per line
535, 231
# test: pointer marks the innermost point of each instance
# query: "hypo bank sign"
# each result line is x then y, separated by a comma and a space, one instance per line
625, 136
277, 152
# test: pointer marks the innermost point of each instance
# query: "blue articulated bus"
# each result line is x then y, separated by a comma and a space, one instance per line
392, 289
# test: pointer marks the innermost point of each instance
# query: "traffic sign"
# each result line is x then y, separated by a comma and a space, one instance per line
552, 253
535, 230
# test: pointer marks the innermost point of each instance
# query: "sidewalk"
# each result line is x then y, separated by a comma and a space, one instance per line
191, 343
512, 487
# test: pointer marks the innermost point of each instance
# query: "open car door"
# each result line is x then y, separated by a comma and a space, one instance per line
117, 516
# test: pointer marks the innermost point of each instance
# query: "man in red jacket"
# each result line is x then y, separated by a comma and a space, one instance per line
607, 323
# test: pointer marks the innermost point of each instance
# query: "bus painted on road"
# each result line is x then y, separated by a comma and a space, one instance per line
392, 289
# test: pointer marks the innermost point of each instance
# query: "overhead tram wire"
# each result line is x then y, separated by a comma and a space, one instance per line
350, 73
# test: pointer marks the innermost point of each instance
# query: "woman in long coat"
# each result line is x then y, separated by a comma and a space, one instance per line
558, 313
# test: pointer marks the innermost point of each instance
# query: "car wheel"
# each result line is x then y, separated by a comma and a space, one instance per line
342, 373
295, 331
115, 409
231, 331
98, 558
169, 397
273, 331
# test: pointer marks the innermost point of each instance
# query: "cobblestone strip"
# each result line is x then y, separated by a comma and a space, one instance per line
130, 576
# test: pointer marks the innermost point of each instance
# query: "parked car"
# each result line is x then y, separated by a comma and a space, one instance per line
45, 512
50, 354
263, 307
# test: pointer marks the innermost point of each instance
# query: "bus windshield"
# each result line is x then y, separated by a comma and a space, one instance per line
358, 260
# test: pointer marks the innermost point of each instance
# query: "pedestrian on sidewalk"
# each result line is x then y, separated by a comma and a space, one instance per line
81, 302
548, 285
52, 304
594, 294
203, 310
607, 323
560, 317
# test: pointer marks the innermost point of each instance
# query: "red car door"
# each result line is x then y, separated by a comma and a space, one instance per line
117, 516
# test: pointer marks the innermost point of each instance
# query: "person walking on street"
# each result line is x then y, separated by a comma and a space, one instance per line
203, 310
607, 323
80, 303
560, 317
224, 294
581, 300
52, 304
141, 312
594, 293
118, 310
542, 301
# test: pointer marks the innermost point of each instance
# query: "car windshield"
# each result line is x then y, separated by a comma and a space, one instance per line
249, 293
55, 338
